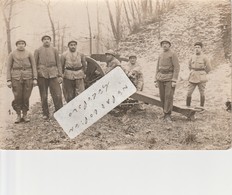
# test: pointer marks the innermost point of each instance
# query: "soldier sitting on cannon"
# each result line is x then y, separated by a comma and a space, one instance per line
134, 72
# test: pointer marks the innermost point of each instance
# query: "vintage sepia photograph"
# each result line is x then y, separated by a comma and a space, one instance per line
115, 74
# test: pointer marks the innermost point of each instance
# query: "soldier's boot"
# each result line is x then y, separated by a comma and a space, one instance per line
18, 119
202, 101
25, 117
188, 101
167, 118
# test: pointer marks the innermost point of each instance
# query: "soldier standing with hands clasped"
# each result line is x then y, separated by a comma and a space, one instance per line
73, 67
167, 72
21, 77
49, 75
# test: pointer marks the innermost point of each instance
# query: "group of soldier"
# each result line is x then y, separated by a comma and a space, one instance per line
48, 70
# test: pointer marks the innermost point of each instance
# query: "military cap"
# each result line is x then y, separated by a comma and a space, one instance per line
199, 43
132, 55
111, 52
20, 40
165, 41
72, 41
45, 37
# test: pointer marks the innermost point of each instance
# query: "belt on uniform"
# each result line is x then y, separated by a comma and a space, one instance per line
165, 71
22, 68
198, 69
49, 66
74, 69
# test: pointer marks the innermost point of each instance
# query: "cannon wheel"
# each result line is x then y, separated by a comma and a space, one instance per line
94, 71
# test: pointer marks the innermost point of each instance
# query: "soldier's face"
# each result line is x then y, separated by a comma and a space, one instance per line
46, 41
165, 46
109, 57
21, 45
72, 47
198, 49
133, 60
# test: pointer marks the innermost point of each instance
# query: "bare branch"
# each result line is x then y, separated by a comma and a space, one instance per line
15, 27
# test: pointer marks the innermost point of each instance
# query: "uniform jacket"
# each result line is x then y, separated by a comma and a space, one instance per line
112, 64
134, 72
168, 67
73, 60
21, 65
48, 62
199, 66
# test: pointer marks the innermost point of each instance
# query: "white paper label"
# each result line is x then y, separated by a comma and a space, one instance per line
95, 102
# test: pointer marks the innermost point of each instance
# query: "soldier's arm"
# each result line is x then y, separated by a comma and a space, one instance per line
208, 67
9, 66
176, 65
33, 65
58, 63
157, 68
62, 61
84, 63
116, 63
36, 57
140, 81
190, 64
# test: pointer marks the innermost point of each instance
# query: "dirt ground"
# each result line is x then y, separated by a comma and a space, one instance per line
135, 130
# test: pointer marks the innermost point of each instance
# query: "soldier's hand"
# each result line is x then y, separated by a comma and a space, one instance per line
173, 84
156, 84
60, 80
35, 83
9, 84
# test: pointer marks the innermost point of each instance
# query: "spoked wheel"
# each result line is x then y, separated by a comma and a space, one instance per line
93, 73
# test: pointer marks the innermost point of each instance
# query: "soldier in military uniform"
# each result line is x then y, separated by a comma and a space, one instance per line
21, 77
49, 75
199, 67
134, 72
73, 67
167, 72
111, 61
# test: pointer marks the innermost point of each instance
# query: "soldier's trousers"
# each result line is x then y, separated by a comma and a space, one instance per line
192, 86
166, 92
22, 92
55, 90
72, 88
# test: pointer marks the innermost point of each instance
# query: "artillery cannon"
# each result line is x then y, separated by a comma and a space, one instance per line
95, 72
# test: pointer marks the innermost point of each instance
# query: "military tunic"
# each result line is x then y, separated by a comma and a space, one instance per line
21, 71
167, 71
73, 68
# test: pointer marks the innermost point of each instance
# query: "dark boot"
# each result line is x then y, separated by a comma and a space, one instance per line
25, 117
202, 101
188, 101
18, 119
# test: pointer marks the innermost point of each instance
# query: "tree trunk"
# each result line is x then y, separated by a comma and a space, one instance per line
138, 12
127, 17
90, 30
98, 30
52, 24
111, 20
118, 21
7, 20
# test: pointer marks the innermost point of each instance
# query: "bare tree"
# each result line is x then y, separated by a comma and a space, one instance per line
116, 26
98, 29
48, 7
137, 8
144, 8
62, 38
7, 11
127, 17
90, 30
